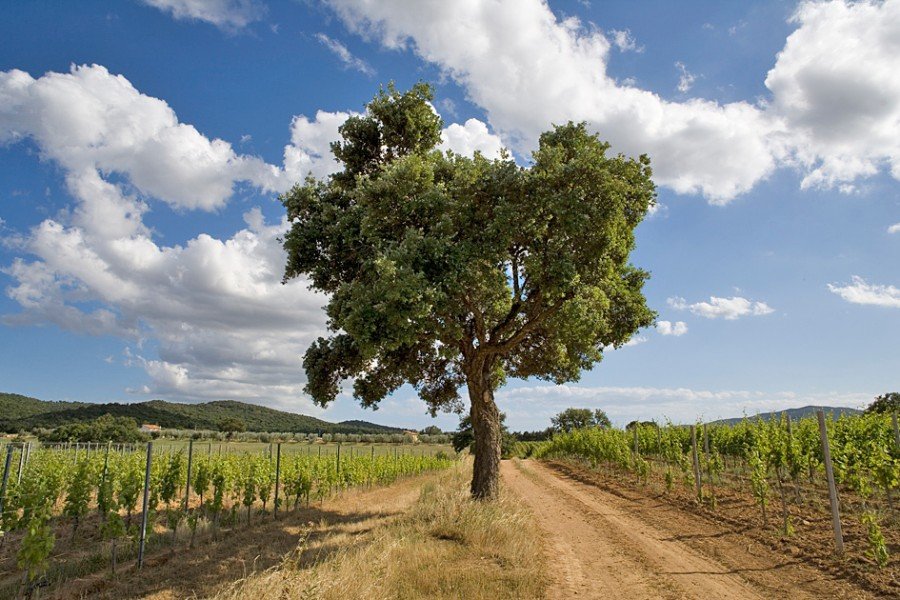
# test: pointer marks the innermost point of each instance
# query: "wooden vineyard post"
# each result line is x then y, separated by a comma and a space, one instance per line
659, 451
339, 458
832, 490
187, 487
21, 465
146, 507
706, 454
277, 475
635, 440
696, 461
7, 464
106, 462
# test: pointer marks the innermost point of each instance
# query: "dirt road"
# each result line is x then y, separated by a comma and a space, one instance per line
601, 545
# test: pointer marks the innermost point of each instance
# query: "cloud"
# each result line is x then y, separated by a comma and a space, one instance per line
723, 308
345, 56
90, 121
469, 138
678, 328
543, 70
530, 407
310, 149
624, 41
229, 15
832, 113
686, 79
861, 292
895, 228
206, 319
220, 321
837, 85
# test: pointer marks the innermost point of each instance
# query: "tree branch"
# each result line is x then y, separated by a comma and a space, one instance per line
531, 325
517, 289
480, 328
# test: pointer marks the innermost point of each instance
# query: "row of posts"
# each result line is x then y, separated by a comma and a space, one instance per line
826, 457
26, 451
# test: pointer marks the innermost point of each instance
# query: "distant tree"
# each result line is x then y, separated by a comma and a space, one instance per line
885, 403
444, 271
432, 430
601, 420
632, 424
231, 425
105, 428
464, 437
534, 436
579, 418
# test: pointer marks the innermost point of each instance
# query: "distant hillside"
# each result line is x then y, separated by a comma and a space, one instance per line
24, 413
795, 413
16, 406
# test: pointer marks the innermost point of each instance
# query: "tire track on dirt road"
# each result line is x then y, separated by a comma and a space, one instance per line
597, 549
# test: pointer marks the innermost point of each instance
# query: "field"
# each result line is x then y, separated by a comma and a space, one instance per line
74, 511
738, 511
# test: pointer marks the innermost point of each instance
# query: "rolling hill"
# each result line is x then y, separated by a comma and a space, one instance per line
794, 413
19, 412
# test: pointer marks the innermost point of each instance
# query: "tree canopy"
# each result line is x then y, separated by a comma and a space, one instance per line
885, 403
231, 425
580, 418
105, 428
446, 271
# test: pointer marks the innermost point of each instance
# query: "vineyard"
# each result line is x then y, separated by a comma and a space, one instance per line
779, 467
114, 503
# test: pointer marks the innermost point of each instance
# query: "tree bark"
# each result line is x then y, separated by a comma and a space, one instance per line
486, 429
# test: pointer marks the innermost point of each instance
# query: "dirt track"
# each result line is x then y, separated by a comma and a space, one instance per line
600, 544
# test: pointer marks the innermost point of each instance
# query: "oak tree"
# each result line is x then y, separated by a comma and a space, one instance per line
580, 418
448, 272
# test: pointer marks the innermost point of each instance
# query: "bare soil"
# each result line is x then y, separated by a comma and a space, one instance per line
606, 537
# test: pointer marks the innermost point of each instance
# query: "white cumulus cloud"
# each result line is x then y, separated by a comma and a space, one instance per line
723, 308
861, 292
544, 70
895, 228
677, 328
221, 322
310, 149
91, 121
471, 137
837, 85
832, 112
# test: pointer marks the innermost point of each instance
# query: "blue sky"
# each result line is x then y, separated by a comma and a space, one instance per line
143, 145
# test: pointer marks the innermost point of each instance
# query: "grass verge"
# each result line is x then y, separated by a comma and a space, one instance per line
445, 546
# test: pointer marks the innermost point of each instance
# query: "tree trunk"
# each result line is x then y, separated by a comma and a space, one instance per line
486, 429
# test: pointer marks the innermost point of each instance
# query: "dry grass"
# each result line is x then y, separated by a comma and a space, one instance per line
445, 546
